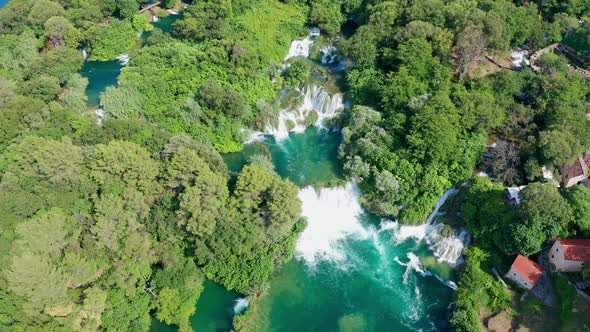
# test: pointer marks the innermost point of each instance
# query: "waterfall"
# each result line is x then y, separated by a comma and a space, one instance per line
445, 249
84, 53
171, 12
329, 55
299, 48
155, 19
317, 105
123, 59
332, 216
241, 305
101, 115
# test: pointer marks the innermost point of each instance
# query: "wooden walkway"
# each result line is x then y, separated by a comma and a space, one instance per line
150, 6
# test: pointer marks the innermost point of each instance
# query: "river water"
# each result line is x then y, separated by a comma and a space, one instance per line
351, 270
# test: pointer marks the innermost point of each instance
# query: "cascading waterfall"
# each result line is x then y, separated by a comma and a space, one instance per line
241, 305
100, 115
329, 55
123, 59
332, 215
171, 12
155, 18
447, 249
84, 53
317, 104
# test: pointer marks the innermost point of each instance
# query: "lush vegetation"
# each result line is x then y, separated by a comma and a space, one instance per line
105, 226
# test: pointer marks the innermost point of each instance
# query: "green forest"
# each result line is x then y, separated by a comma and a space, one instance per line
104, 226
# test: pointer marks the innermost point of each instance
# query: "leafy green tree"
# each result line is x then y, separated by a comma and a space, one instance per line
56, 29
127, 8
107, 41
121, 165
59, 62
42, 10
44, 88
544, 215
205, 20
558, 147
16, 54
579, 199
327, 15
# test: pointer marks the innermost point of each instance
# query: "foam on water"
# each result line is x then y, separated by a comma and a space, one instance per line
84, 53
241, 305
172, 12
155, 18
332, 216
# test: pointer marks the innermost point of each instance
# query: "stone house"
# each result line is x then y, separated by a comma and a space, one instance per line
569, 255
524, 272
576, 172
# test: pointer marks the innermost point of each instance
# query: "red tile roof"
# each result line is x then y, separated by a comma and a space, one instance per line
576, 249
527, 269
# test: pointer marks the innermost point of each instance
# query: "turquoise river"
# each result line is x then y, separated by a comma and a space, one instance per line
351, 271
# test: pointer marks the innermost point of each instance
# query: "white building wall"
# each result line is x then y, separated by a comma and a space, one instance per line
560, 263
520, 281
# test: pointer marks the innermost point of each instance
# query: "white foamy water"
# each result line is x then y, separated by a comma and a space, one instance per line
445, 249
123, 59
332, 216
241, 305
314, 99
413, 264
84, 53
518, 57
329, 55
101, 115
155, 19
171, 12
299, 47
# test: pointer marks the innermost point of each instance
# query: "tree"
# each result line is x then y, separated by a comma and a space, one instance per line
470, 46
127, 8
44, 88
121, 165
326, 14
579, 199
107, 42
205, 20
60, 62
558, 147
544, 215
42, 10
56, 29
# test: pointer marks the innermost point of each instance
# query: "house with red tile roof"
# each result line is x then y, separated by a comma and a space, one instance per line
570, 255
575, 172
524, 272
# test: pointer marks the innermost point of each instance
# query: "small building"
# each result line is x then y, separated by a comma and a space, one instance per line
524, 272
569, 255
513, 195
576, 172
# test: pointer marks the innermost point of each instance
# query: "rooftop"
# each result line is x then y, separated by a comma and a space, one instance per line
576, 249
527, 269
574, 169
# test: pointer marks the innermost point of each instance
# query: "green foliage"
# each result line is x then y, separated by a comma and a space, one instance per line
579, 199
544, 215
260, 232
106, 42
476, 288
296, 74
326, 14
16, 54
